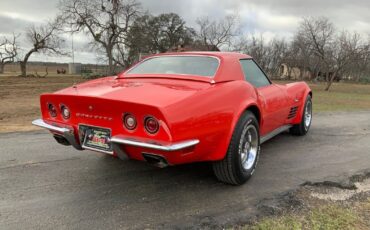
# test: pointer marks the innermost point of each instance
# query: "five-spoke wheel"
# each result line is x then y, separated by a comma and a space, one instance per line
242, 155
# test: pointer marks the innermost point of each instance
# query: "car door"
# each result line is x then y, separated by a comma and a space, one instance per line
273, 100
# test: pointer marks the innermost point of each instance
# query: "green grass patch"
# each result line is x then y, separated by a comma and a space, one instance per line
332, 217
282, 223
341, 97
328, 217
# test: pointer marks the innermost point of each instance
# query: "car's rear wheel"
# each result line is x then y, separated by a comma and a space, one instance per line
306, 120
242, 155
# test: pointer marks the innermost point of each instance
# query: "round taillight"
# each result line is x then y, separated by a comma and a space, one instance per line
52, 110
65, 112
129, 121
151, 125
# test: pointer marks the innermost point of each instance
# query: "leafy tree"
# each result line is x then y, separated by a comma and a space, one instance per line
153, 34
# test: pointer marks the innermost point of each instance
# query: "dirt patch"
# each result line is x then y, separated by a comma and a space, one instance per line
338, 194
318, 205
19, 99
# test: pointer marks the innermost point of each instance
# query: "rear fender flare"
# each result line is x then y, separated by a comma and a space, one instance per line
242, 108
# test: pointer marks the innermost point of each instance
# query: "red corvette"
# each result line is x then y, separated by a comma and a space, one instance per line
179, 108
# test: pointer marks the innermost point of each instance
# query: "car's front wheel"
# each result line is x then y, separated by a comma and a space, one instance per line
242, 155
302, 128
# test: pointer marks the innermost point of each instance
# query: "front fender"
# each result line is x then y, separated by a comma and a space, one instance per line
299, 91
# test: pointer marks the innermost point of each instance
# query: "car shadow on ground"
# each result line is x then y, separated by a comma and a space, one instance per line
192, 171
112, 186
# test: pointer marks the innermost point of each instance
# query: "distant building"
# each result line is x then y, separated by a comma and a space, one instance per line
74, 68
304, 73
294, 72
53, 68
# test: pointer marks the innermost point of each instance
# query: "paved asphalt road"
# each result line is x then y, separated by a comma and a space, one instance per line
46, 185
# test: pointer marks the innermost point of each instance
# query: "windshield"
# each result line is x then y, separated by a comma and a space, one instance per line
187, 65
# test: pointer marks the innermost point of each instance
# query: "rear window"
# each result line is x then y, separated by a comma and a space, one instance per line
185, 65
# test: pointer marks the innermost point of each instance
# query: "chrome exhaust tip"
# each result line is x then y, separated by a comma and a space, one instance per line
155, 160
61, 140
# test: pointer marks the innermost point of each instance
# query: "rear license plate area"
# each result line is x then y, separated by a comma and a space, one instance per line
95, 138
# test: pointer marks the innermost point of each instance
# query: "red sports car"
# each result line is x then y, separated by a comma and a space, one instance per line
177, 108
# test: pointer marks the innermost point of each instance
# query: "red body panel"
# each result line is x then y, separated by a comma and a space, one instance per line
188, 107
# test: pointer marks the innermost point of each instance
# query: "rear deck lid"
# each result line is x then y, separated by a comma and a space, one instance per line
158, 92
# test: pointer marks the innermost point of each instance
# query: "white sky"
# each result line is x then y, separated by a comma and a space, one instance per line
269, 17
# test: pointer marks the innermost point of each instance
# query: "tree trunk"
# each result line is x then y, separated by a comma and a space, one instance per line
328, 84
23, 63
301, 73
23, 68
110, 60
110, 64
330, 81
2, 68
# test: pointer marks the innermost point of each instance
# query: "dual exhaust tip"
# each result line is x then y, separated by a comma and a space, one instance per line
152, 159
155, 160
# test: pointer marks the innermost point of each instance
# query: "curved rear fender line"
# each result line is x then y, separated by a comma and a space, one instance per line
250, 105
115, 108
307, 92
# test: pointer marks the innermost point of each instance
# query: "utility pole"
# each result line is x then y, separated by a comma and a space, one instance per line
73, 52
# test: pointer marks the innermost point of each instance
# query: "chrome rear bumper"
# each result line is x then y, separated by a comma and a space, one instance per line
42, 124
68, 134
168, 148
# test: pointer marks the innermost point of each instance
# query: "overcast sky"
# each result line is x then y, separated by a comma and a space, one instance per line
270, 17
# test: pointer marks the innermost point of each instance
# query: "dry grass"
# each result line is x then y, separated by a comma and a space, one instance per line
320, 214
19, 98
304, 209
327, 217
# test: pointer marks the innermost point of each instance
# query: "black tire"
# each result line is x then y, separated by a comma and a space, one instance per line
230, 170
302, 128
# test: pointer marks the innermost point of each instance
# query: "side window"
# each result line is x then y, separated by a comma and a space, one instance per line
253, 74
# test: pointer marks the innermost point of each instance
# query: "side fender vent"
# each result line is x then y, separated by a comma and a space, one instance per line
293, 112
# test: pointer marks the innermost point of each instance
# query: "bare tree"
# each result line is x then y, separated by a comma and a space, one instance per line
301, 55
268, 54
359, 70
346, 50
8, 51
315, 37
254, 45
216, 34
106, 21
43, 39
335, 51
278, 52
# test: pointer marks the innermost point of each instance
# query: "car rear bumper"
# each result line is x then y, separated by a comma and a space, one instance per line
151, 145
118, 140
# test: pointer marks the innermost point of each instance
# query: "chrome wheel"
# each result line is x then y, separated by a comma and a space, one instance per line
308, 114
248, 146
